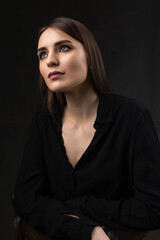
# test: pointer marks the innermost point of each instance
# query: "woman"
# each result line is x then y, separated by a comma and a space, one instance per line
92, 159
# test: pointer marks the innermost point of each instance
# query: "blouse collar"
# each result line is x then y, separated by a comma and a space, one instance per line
104, 111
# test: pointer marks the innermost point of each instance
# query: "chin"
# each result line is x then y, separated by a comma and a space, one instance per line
58, 86
55, 89
61, 88
58, 89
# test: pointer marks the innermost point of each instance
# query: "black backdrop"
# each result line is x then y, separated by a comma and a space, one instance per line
128, 33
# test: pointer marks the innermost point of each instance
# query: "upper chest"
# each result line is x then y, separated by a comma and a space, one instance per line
77, 139
99, 153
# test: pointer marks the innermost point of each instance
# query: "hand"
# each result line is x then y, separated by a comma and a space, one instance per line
99, 234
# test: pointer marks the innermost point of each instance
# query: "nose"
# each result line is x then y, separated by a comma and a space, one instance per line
52, 60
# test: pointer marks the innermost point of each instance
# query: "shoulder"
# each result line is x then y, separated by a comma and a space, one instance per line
118, 102
130, 110
128, 103
41, 111
131, 113
39, 116
121, 105
43, 118
116, 106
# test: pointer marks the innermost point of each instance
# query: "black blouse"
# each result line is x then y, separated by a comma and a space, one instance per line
116, 182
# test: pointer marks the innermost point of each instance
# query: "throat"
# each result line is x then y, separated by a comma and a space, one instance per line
81, 111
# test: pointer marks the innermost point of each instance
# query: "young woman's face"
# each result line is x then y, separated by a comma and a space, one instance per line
62, 60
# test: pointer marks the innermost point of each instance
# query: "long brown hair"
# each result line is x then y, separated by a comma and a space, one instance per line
96, 69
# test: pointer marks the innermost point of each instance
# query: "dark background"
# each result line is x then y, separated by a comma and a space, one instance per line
128, 33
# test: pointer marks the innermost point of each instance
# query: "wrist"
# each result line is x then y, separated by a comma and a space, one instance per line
96, 230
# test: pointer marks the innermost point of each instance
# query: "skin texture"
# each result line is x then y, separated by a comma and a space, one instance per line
79, 115
69, 58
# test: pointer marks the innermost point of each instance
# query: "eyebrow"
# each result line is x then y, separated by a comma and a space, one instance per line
56, 44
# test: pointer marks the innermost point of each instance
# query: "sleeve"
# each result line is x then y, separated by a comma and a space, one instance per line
32, 200
141, 210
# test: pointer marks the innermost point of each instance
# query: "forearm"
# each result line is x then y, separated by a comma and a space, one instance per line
97, 233
125, 214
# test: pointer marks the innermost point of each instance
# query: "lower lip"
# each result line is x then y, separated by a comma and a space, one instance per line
54, 76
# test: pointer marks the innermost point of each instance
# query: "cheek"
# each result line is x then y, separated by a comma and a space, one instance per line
42, 71
44, 74
77, 63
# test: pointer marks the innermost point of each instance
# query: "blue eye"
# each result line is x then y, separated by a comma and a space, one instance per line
43, 55
64, 48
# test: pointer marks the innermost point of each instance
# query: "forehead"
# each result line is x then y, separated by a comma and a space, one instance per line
53, 35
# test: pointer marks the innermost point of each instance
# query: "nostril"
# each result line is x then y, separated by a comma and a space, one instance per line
52, 62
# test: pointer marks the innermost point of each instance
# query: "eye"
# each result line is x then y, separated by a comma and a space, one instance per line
64, 48
43, 55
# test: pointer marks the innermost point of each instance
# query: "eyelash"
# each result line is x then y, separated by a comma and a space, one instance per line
63, 47
41, 54
59, 50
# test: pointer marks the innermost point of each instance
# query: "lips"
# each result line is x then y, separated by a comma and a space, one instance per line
54, 74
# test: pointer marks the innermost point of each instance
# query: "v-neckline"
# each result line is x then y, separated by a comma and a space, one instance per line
82, 155
90, 143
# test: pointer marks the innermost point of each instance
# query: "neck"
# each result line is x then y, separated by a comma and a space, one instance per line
81, 105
